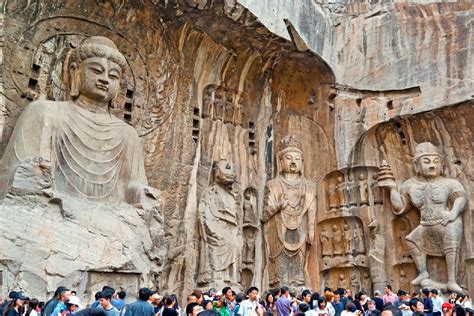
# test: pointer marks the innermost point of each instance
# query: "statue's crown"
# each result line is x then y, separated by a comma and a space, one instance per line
426, 149
290, 143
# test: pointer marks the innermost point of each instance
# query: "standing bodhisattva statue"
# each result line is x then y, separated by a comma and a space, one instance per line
220, 227
289, 216
440, 201
91, 154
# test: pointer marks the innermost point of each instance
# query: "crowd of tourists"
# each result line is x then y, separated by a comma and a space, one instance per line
276, 302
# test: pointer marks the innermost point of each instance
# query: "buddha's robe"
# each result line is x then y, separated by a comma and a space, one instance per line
93, 156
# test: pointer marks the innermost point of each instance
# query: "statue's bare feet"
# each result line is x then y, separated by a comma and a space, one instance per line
423, 276
454, 287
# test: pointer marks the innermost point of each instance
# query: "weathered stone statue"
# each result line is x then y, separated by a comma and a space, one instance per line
440, 201
342, 282
347, 239
221, 236
250, 226
359, 239
352, 190
355, 283
363, 190
337, 241
341, 193
326, 246
92, 154
332, 196
290, 212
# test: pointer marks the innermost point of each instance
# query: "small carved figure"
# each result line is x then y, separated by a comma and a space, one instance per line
404, 283
342, 282
290, 216
208, 101
341, 192
248, 256
441, 228
337, 241
219, 103
347, 239
229, 107
359, 239
332, 196
352, 191
326, 246
238, 112
251, 217
221, 238
355, 283
363, 190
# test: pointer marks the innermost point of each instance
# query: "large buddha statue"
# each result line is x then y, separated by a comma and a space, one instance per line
91, 154
289, 216
440, 201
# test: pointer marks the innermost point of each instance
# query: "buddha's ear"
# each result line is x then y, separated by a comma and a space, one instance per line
75, 79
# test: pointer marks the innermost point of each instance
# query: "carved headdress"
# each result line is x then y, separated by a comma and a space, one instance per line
426, 149
289, 143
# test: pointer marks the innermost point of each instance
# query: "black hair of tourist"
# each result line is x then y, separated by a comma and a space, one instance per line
59, 290
168, 300
303, 308
144, 294
327, 289
91, 312
224, 290
388, 286
175, 298
412, 303
205, 302
350, 306
392, 308
190, 307
122, 294
106, 287
284, 290
251, 289
74, 292
98, 295
240, 297
305, 292
321, 299
434, 291
425, 291
107, 294
268, 295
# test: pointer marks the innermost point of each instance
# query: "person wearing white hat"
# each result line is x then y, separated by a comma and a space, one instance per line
73, 305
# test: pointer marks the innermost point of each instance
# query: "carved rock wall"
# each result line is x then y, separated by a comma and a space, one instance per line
207, 81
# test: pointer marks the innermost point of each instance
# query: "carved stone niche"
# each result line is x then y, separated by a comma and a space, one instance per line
402, 226
402, 276
351, 278
126, 281
348, 192
250, 228
342, 243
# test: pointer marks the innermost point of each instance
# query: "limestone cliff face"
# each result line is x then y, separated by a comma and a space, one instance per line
211, 80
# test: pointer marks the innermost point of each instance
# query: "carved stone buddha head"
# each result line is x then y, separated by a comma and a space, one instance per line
99, 61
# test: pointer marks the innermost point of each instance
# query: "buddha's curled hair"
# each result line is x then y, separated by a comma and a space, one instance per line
99, 46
